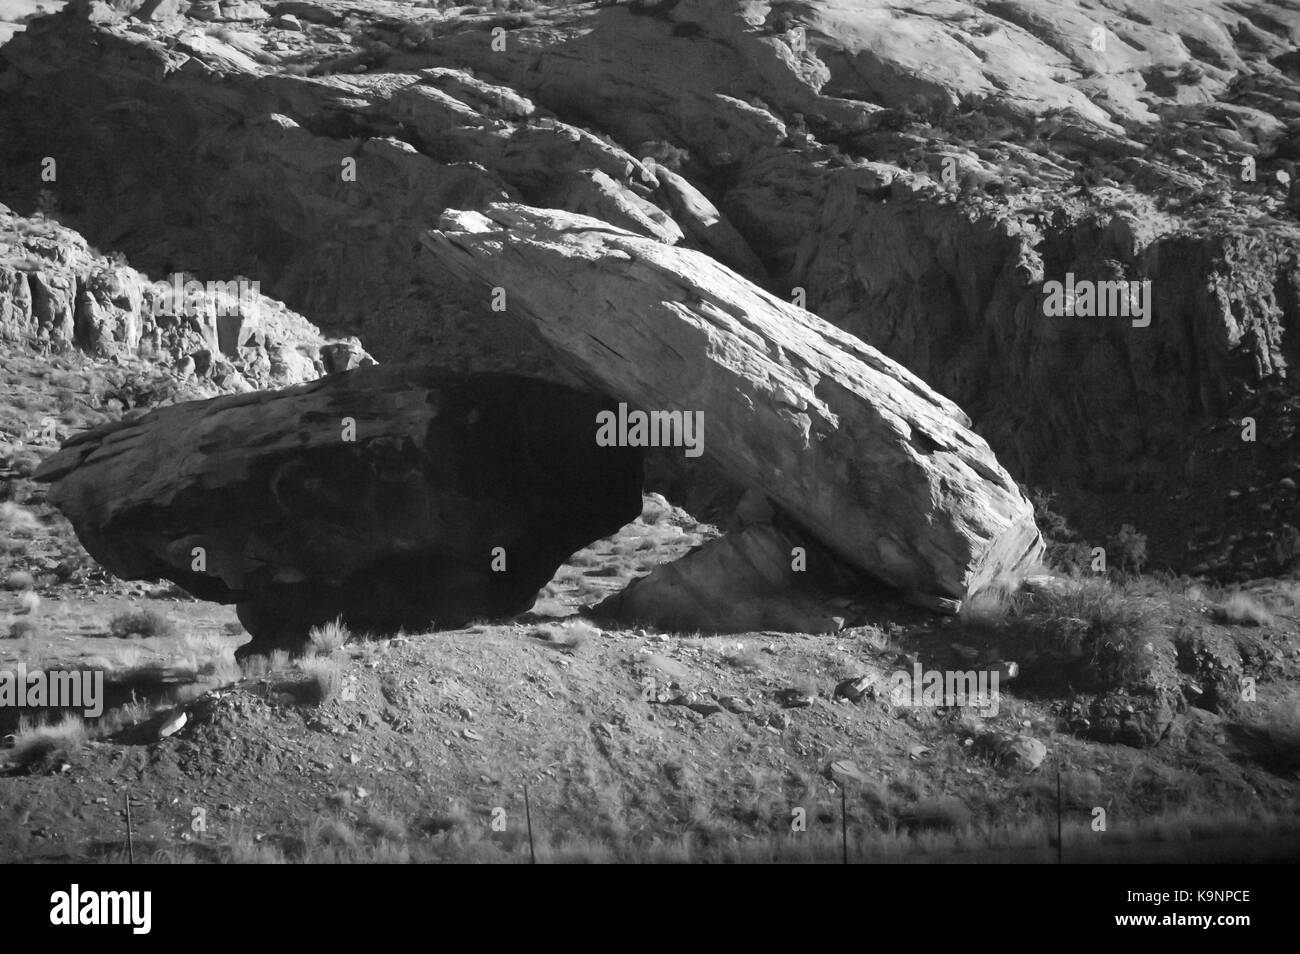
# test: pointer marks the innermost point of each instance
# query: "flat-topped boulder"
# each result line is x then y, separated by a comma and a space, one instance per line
395, 497
857, 450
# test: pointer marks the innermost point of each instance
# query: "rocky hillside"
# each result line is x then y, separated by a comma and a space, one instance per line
59, 294
951, 285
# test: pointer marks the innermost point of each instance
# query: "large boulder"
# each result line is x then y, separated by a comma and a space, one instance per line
393, 497
856, 449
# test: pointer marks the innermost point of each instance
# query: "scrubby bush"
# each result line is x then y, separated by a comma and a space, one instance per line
143, 624
24, 629
664, 154
1128, 549
1088, 632
47, 746
1066, 551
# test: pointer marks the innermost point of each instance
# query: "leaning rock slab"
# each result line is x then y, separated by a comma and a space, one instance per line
394, 497
859, 451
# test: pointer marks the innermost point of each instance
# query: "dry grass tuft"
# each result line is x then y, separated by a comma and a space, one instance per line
324, 678
47, 746
330, 638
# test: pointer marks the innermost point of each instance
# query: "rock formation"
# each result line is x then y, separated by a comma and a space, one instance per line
57, 293
917, 201
393, 497
852, 446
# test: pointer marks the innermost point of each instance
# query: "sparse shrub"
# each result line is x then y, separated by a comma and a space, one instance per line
990, 605
25, 464
15, 520
943, 813
666, 155
142, 624
330, 831
47, 746
1286, 546
1088, 632
209, 657
324, 678
47, 204
1244, 610
329, 638
253, 667
1065, 550
24, 629
1128, 549
384, 825
1054, 527
1111, 643
20, 580
1071, 559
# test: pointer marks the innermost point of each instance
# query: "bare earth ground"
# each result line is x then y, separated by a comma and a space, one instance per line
633, 744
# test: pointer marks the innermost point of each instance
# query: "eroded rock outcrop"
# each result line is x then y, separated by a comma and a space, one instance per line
918, 200
393, 497
57, 293
851, 445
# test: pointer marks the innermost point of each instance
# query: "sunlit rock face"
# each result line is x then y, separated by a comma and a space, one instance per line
393, 497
